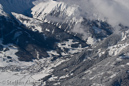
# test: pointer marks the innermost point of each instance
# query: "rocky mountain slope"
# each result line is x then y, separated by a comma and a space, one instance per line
63, 43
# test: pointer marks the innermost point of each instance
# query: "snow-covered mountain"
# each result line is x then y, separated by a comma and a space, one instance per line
64, 43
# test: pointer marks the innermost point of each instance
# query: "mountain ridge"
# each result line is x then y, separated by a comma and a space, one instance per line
62, 43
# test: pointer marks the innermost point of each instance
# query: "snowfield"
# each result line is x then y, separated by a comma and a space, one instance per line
64, 42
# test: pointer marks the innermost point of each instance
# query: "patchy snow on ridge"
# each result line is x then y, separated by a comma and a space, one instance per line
1, 11
116, 49
67, 45
34, 24
42, 10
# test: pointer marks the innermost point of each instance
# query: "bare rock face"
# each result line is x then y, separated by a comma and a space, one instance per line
1, 48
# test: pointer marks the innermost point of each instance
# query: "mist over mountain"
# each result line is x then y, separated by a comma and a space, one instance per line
64, 43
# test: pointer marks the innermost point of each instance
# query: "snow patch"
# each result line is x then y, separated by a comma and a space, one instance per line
52, 52
8, 56
116, 49
31, 23
91, 41
65, 76
1, 11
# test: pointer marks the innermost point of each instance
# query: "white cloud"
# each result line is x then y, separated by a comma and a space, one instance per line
113, 11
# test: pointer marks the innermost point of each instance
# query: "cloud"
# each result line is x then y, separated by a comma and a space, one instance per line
115, 12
